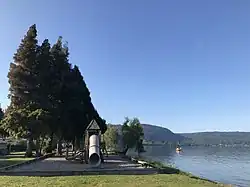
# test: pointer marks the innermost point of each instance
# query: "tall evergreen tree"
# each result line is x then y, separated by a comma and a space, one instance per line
2, 131
79, 105
79, 108
74, 102
60, 70
89, 110
21, 73
85, 104
47, 95
42, 117
44, 76
28, 76
23, 81
1, 113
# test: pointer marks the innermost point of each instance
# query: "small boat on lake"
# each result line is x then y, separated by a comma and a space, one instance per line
178, 149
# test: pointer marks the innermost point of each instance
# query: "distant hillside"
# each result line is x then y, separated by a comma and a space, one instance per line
216, 138
157, 134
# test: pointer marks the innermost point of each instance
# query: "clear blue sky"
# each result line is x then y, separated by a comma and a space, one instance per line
183, 64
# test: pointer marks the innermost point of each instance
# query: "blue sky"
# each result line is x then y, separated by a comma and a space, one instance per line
184, 65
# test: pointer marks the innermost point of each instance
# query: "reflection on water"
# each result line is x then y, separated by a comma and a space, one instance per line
229, 165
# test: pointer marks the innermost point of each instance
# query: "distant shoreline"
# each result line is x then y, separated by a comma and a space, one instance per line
196, 145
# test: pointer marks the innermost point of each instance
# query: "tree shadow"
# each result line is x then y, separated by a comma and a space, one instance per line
9, 162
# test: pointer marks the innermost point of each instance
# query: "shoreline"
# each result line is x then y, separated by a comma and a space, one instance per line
167, 169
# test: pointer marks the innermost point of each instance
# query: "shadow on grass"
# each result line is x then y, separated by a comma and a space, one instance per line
9, 162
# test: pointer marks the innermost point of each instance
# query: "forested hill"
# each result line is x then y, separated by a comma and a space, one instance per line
216, 138
158, 134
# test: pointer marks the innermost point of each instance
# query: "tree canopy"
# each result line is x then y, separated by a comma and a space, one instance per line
1, 114
111, 137
48, 94
2, 132
133, 134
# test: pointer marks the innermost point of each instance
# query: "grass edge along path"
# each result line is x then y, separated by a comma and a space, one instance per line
157, 180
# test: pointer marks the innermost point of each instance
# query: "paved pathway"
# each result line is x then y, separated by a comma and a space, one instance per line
60, 166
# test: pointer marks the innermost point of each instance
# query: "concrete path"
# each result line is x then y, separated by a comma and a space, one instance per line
60, 166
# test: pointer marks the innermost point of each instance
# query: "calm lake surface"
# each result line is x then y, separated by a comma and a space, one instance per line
230, 165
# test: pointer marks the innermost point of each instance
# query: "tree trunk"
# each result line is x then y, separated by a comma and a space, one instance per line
38, 147
67, 150
9, 149
125, 150
50, 146
59, 147
41, 146
75, 146
29, 147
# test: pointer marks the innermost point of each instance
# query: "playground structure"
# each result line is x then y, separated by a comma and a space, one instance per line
94, 150
90, 153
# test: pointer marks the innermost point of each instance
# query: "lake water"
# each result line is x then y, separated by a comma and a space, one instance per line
230, 165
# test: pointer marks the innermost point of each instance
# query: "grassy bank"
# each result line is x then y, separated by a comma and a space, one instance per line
164, 180
13, 158
167, 169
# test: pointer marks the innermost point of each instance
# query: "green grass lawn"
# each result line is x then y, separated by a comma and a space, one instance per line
12, 158
164, 180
